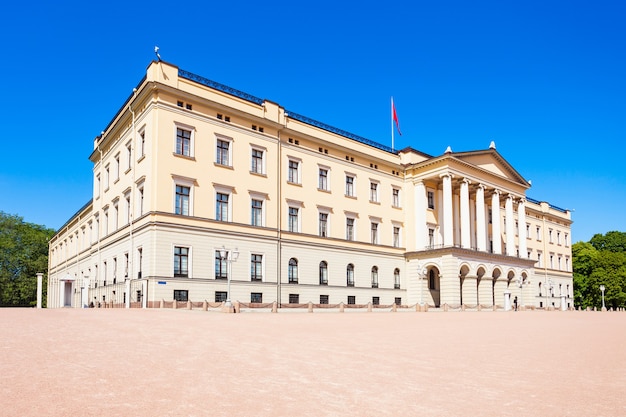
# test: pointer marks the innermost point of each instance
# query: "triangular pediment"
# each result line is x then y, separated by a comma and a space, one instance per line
490, 160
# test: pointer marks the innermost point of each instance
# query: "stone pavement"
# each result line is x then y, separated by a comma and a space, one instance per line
168, 362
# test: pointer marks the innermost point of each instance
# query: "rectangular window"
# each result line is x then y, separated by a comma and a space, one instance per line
221, 296
375, 301
538, 233
550, 236
323, 179
221, 153
183, 142
373, 192
395, 197
256, 267
397, 301
106, 178
293, 175
181, 295
349, 186
396, 237
293, 219
431, 199
257, 162
351, 299
257, 213
323, 226
323, 299
182, 200
116, 168
490, 212
294, 298
374, 229
181, 261
142, 148
221, 266
256, 297
221, 207
349, 229
129, 156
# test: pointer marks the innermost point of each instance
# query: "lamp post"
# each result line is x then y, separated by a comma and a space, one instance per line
602, 288
225, 255
421, 274
548, 292
521, 281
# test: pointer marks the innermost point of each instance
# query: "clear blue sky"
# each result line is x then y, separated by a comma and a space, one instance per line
545, 80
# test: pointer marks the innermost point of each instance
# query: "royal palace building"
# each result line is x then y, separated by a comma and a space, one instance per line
203, 192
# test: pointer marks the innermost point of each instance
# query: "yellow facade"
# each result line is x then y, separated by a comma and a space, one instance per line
188, 167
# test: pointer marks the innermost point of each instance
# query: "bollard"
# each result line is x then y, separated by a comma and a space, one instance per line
188, 304
237, 306
394, 308
494, 308
274, 307
418, 308
341, 307
479, 307
369, 307
161, 303
174, 304
425, 308
445, 307
462, 307
205, 305
310, 307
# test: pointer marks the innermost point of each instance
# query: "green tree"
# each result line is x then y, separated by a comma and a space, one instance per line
23, 253
601, 261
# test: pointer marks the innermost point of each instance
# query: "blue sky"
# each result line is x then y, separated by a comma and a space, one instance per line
545, 80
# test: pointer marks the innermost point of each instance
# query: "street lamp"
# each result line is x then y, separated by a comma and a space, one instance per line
548, 292
421, 274
521, 281
225, 255
602, 288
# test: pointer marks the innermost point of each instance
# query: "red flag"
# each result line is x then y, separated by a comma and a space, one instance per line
395, 117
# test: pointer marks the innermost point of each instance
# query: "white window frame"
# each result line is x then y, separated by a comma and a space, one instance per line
354, 218
395, 197
223, 189
430, 191
260, 197
189, 258
192, 139
262, 255
183, 182
260, 169
321, 168
393, 242
327, 212
374, 191
297, 205
353, 185
230, 142
290, 177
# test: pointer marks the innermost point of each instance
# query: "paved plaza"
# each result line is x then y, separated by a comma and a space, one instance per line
118, 362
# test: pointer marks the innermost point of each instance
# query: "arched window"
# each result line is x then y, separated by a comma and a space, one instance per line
374, 277
323, 273
431, 279
540, 289
396, 278
350, 275
293, 271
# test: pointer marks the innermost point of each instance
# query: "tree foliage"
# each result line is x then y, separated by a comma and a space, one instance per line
23, 253
601, 261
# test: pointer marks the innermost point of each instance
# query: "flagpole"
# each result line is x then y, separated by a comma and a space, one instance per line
392, 148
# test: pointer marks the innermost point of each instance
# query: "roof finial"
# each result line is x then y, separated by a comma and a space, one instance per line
156, 51
492, 145
448, 150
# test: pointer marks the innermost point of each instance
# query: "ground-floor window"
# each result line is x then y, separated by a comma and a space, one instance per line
351, 299
376, 301
294, 298
323, 299
181, 295
398, 301
256, 297
220, 296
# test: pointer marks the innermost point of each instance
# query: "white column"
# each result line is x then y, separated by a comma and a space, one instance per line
481, 241
495, 222
521, 221
448, 226
421, 204
465, 214
39, 288
510, 226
